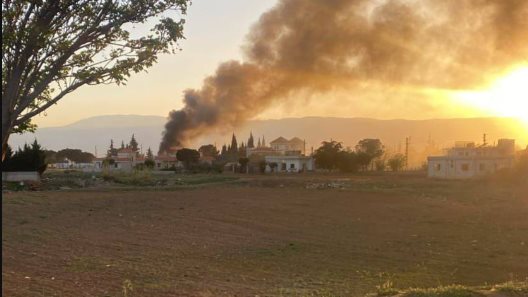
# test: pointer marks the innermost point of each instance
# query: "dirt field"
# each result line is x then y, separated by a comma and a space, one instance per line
266, 236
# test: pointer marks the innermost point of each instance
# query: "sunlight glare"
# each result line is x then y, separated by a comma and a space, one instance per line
507, 97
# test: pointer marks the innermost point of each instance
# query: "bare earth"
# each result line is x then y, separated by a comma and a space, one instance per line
266, 236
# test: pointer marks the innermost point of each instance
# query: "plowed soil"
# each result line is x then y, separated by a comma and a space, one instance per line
280, 236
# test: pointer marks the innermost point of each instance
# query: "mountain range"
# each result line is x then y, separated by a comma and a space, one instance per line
94, 134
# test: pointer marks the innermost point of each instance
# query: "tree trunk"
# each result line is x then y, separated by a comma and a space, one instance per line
7, 127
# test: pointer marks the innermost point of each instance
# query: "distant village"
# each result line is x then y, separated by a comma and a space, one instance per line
281, 155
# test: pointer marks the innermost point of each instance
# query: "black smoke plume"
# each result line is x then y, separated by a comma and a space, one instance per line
322, 45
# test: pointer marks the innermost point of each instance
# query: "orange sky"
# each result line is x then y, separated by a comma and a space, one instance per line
215, 33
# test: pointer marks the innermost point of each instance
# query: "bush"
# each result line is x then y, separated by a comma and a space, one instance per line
28, 158
262, 166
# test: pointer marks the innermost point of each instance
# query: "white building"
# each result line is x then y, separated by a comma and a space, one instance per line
290, 161
125, 160
466, 160
69, 164
283, 145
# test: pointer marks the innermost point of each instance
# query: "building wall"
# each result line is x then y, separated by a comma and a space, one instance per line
290, 164
460, 168
17, 176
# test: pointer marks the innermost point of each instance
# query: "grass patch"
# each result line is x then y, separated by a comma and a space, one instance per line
87, 264
447, 291
512, 288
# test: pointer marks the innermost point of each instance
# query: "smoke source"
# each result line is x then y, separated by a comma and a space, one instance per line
323, 45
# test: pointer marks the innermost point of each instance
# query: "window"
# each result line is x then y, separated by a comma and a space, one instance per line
292, 166
465, 167
482, 166
283, 166
438, 167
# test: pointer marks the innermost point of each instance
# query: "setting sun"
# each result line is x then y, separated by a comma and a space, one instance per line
507, 97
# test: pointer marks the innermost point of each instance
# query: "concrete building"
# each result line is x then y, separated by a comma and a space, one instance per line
466, 160
125, 160
289, 163
283, 145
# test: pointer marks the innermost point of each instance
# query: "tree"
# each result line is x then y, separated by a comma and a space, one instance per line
188, 157
28, 158
273, 165
242, 150
234, 146
122, 144
208, 150
243, 164
133, 143
327, 155
262, 166
149, 163
75, 155
150, 155
111, 150
347, 161
51, 48
363, 160
251, 141
373, 148
380, 164
396, 162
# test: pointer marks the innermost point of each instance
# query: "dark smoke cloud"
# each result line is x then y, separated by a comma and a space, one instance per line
323, 45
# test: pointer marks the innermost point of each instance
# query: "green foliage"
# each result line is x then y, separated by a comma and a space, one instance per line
112, 151
447, 291
396, 162
28, 158
75, 155
369, 149
380, 164
513, 288
327, 155
51, 48
108, 162
347, 161
208, 150
386, 289
133, 143
150, 155
243, 164
149, 163
262, 166
372, 147
25, 126
188, 157
331, 155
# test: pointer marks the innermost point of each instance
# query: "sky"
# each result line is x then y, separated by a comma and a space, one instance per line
215, 32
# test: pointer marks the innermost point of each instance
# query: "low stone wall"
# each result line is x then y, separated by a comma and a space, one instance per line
20, 176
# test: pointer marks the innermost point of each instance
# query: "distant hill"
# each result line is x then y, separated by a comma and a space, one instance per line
87, 134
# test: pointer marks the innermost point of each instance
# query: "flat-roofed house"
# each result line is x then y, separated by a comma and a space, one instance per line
466, 160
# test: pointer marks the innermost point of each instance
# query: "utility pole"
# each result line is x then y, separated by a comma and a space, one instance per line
407, 143
96, 151
484, 142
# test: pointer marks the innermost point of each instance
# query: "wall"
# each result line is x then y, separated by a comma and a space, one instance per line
20, 176
451, 167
